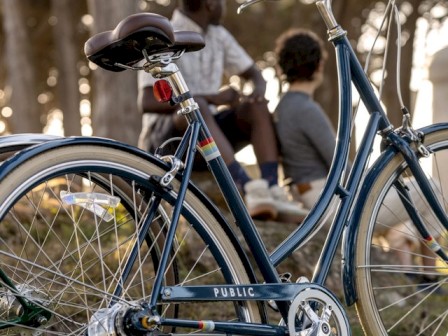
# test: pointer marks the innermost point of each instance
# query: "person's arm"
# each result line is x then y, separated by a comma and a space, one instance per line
254, 75
147, 103
238, 62
226, 96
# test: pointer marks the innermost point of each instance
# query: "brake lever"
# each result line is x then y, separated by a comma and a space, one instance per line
246, 4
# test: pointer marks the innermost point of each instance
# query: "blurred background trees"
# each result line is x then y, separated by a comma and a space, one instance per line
47, 85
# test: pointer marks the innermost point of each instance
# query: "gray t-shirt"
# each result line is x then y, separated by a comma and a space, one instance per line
306, 136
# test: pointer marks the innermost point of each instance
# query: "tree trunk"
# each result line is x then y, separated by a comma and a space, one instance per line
20, 69
114, 107
67, 50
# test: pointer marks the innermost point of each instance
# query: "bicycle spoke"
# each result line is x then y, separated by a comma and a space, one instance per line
64, 254
403, 280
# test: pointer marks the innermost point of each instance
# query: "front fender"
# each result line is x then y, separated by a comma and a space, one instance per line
351, 231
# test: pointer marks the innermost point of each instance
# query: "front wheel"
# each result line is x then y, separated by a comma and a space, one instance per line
402, 285
74, 241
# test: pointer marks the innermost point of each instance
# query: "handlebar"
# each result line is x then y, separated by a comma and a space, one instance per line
246, 4
324, 6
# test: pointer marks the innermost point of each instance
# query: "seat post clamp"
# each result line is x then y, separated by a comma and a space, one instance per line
180, 98
188, 109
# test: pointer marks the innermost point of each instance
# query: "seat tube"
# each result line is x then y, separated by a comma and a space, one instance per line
171, 73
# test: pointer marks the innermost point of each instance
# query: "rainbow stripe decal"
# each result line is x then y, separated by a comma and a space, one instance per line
432, 244
209, 149
206, 325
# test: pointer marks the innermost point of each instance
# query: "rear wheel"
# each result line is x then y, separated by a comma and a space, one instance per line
402, 285
73, 241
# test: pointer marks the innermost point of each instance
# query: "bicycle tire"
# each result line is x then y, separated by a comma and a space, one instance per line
402, 291
74, 270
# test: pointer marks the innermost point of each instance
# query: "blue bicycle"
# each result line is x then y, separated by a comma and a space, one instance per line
100, 238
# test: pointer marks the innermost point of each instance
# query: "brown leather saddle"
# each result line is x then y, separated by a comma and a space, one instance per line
126, 42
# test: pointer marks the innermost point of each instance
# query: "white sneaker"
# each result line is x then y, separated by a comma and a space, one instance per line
259, 200
288, 210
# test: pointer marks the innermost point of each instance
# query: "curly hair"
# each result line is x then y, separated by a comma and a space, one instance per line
299, 53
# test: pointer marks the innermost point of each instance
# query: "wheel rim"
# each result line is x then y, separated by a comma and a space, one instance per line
82, 262
391, 302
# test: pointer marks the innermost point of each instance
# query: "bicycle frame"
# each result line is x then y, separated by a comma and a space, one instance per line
349, 71
345, 221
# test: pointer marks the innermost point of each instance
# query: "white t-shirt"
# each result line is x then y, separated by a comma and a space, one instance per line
203, 70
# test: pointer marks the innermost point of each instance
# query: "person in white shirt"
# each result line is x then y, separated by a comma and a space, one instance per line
245, 121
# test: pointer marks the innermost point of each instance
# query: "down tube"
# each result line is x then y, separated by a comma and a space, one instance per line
243, 220
246, 225
234, 201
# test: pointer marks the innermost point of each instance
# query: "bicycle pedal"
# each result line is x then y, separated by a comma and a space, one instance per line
285, 277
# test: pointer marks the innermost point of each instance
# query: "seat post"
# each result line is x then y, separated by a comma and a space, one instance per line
171, 73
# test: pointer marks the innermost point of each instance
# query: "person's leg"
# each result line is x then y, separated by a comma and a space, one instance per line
237, 129
258, 199
257, 195
254, 121
220, 138
254, 124
225, 147
155, 130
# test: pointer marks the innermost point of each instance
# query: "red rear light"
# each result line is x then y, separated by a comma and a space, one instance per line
162, 91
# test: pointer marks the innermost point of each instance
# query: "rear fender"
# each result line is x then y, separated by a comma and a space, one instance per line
43, 144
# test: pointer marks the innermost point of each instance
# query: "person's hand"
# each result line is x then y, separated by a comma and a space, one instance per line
255, 98
228, 96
